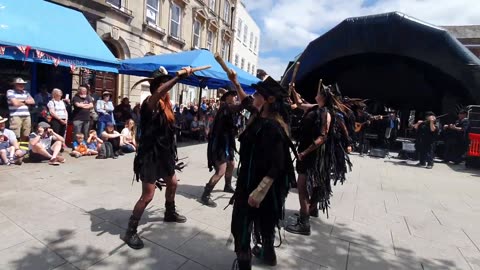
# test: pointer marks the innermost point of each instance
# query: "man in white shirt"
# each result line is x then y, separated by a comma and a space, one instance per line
45, 144
12, 140
18, 102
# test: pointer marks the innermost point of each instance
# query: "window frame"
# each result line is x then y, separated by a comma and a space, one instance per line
240, 28
226, 11
251, 41
179, 29
210, 4
157, 15
210, 39
237, 58
113, 4
242, 63
245, 33
199, 36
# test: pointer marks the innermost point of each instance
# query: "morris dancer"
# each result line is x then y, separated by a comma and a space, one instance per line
157, 153
319, 160
265, 172
221, 146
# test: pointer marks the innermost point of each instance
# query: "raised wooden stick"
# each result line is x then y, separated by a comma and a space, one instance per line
222, 63
320, 86
294, 77
183, 71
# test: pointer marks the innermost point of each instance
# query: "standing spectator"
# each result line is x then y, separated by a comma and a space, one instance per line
112, 136
42, 98
129, 144
82, 104
41, 146
18, 101
58, 112
136, 114
105, 111
427, 132
123, 112
93, 93
12, 140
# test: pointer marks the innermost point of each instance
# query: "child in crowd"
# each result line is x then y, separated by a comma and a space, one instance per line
6, 150
94, 144
80, 147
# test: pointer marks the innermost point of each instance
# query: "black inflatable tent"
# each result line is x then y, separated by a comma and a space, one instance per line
394, 59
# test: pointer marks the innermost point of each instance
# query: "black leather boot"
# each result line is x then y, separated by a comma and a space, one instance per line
228, 185
302, 226
266, 253
171, 214
206, 200
131, 237
242, 265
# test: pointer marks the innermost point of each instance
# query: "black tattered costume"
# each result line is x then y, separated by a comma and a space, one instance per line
264, 152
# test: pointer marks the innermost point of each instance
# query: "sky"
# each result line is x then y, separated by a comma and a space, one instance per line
288, 26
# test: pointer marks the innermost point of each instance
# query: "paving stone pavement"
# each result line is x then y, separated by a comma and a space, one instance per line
388, 215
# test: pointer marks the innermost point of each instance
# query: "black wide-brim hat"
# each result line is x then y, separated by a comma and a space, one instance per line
230, 92
270, 87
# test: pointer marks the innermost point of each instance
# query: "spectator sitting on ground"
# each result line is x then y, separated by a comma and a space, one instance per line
6, 151
17, 154
80, 147
41, 147
115, 138
93, 142
204, 128
198, 131
129, 145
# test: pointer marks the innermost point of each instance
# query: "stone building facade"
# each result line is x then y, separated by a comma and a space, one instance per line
136, 28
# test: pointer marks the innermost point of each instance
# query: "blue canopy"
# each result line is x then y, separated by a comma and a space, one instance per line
59, 32
214, 77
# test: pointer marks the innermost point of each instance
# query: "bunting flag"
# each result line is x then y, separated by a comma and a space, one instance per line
56, 61
2, 50
40, 54
72, 68
25, 50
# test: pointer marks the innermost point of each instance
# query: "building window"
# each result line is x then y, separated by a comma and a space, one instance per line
211, 4
236, 60
251, 40
255, 44
226, 12
175, 20
248, 67
196, 34
242, 65
152, 11
210, 40
253, 69
116, 3
227, 51
245, 34
239, 29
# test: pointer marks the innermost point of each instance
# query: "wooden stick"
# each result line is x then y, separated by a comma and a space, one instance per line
183, 71
222, 63
320, 86
295, 70
294, 76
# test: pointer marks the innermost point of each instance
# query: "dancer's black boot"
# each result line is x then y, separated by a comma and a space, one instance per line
131, 237
228, 185
171, 214
206, 199
266, 253
302, 226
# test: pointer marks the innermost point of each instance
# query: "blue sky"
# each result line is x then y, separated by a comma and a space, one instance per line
288, 26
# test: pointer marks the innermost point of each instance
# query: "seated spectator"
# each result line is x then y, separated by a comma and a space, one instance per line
93, 142
198, 131
115, 138
6, 151
13, 152
204, 127
45, 144
128, 144
80, 147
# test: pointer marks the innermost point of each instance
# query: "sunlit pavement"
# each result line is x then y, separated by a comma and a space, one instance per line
388, 215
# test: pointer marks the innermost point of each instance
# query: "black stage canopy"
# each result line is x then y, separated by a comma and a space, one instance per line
394, 59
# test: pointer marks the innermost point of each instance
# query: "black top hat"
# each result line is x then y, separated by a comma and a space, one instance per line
230, 91
429, 113
270, 87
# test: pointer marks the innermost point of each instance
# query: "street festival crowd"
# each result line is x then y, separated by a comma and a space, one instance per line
265, 123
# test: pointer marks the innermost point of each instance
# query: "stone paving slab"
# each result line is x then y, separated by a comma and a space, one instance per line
388, 215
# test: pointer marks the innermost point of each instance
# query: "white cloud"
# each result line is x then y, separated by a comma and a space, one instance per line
288, 24
274, 66
292, 24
